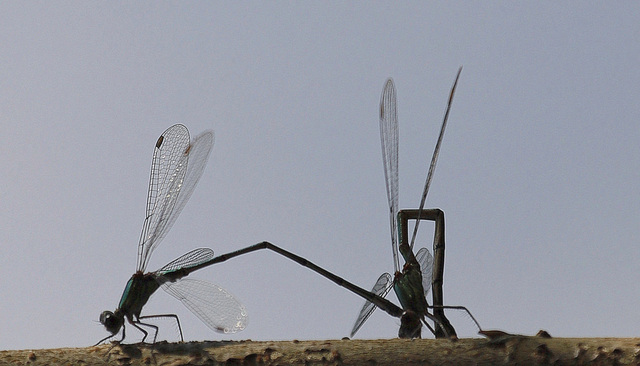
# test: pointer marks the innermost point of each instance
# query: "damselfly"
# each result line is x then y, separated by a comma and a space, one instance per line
176, 167
413, 281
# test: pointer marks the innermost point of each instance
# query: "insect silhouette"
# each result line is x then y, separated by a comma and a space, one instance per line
176, 167
413, 281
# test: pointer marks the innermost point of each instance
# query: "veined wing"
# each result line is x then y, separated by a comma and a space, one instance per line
215, 306
382, 288
434, 158
425, 260
176, 167
197, 154
389, 141
188, 260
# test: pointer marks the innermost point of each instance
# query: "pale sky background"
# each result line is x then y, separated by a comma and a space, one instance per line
538, 172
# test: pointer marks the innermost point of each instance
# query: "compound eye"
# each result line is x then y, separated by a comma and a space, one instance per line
105, 317
110, 321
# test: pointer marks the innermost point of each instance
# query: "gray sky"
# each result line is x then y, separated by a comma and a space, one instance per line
538, 172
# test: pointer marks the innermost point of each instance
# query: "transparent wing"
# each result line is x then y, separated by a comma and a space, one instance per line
434, 159
188, 260
389, 141
197, 154
176, 167
425, 260
382, 288
168, 166
215, 306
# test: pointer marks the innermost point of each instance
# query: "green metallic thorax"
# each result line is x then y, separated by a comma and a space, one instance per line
408, 284
137, 292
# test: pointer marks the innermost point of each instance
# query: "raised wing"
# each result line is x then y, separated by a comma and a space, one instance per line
176, 167
389, 141
426, 268
215, 306
382, 288
434, 158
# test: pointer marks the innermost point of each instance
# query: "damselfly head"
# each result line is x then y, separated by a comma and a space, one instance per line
113, 322
410, 325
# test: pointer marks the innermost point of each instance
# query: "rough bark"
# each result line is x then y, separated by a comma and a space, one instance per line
501, 349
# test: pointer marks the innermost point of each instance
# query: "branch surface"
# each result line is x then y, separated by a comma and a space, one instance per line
499, 349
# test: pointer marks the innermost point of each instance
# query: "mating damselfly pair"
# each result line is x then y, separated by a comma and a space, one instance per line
178, 164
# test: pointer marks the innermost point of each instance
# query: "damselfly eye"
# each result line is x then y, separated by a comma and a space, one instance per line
110, 321
105, 316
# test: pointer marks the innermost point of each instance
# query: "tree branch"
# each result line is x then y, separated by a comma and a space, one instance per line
501, 349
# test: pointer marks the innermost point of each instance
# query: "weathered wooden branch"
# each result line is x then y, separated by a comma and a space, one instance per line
502, 349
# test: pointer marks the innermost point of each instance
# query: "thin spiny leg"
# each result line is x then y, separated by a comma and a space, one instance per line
174, 316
